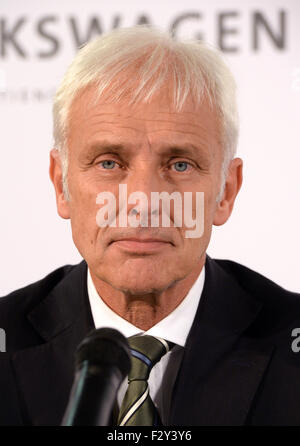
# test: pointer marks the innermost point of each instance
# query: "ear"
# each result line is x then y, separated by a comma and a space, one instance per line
233, 184
55, 172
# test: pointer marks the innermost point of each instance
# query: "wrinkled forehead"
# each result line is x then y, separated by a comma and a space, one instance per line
92, 118
88, 103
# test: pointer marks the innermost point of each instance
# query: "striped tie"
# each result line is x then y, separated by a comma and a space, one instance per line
137, 408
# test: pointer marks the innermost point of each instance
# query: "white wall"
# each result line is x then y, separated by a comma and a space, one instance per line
263, 231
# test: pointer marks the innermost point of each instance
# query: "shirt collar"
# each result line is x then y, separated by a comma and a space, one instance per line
174, 328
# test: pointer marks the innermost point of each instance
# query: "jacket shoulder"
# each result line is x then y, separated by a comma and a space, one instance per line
21, 301
252, 281
280, 307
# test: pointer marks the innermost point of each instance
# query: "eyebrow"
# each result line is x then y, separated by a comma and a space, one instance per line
181, 150
185, 149
91, 152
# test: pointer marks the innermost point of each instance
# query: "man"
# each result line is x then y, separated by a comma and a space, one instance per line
140, 111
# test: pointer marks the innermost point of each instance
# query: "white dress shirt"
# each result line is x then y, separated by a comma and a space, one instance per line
174, 328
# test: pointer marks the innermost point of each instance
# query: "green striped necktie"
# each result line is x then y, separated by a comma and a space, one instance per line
137, 408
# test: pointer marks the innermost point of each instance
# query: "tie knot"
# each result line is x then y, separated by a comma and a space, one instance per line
146, 351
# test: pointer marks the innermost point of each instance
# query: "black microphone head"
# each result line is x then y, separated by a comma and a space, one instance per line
105, 346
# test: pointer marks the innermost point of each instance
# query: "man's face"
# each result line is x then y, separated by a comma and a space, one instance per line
149, 148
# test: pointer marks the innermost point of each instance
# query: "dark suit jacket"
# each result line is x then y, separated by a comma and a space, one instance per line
238, 366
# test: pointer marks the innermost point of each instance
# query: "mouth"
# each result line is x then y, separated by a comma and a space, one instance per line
141, 245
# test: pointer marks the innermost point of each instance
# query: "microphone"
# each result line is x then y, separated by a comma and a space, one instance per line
102, 362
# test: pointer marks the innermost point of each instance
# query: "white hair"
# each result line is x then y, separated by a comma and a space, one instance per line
149, 58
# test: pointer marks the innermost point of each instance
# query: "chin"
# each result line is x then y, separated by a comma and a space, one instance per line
140, 283
141, 289
142, 276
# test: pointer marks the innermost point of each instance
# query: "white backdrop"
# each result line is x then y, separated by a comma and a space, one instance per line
261, 42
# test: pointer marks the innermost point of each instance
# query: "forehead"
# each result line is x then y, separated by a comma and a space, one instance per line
158, 120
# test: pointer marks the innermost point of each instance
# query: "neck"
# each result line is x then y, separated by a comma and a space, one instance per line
146, 310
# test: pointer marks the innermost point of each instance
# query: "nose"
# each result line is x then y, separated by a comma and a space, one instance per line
145, 177
143, 180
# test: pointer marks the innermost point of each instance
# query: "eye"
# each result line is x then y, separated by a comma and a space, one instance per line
107, 164
181, 166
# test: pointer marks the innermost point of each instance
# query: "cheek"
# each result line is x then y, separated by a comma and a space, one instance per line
210, 201
196, 238
202, 209
84, 233
83, 211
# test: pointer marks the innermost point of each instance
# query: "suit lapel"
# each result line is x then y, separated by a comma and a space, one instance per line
45, 373
221, 370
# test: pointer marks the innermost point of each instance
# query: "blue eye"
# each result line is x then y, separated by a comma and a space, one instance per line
108, 164
180, 166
